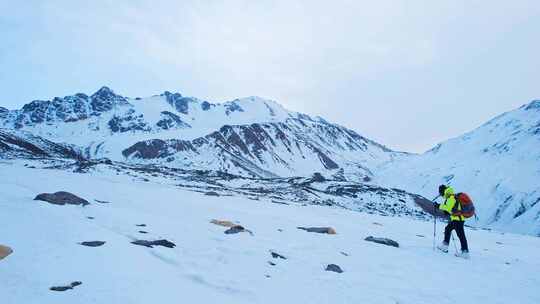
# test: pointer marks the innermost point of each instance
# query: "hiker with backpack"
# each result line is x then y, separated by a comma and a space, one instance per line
459, 207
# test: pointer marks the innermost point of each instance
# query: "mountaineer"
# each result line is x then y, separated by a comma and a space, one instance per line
459, 207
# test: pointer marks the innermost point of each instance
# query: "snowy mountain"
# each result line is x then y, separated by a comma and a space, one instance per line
204, 202
18, 144
251, 136
95, 253
498, 164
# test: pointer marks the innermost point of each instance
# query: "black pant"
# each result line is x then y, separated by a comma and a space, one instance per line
458, 226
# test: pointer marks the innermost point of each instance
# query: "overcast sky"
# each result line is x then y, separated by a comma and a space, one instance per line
408, 74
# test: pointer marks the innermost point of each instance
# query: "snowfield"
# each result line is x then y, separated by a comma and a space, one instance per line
208, 266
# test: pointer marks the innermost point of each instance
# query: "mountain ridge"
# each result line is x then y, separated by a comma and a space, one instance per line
259, 138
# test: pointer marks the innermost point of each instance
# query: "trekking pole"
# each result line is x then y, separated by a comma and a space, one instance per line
434, 222
434, 227
454, 241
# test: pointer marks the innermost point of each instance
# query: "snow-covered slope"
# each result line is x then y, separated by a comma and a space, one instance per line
251, 136
19, 144
292, 147
208, 266
498, 164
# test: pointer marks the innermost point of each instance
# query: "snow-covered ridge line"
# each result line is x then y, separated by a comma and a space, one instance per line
498, 163
289, 148
105, 124
80, 106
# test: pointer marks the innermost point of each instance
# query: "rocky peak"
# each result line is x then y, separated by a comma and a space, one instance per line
179, 102
105, 93
533, 105
104, 100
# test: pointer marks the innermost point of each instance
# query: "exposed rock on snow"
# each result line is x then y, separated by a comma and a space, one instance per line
237, 229
429, 207
327, 230
151, 244
224, 223
5, 251
334, 268
233, 228
318, 178
211, 193
18, 144
67, 287
276, 255
61, 198
384, 241
93, 243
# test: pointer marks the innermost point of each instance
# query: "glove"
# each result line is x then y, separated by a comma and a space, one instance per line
436, 206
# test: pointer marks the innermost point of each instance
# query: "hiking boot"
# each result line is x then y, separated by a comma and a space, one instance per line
443, 247
464, 254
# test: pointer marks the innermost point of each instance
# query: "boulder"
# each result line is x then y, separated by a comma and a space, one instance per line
211, 193
384, 241
233, 228
318, 178
151, 244
5, 251
236, 229
92, 243
223, 223
61, 198
67, 287
327, 230
276, 255
334, 268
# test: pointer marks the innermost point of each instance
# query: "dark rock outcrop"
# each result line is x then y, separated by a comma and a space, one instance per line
5, 251
384, 241
318, 178
151, 244
67, 109
334, 268
14, 144
67, 287
180, 103
276, 255
171, 121
61, 198
129, 121
235, 229
93, 243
